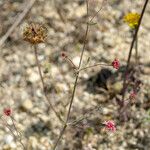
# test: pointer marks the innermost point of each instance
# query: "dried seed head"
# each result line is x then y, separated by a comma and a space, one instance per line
35, 33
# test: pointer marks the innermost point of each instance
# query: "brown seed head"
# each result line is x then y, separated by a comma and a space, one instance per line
35, 33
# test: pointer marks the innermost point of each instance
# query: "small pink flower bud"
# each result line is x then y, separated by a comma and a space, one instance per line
116, 64
110, 125
7, 111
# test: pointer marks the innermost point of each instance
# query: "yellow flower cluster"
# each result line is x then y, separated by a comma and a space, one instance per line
132, 19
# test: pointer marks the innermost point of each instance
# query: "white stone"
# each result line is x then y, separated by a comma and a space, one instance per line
76, 60
8, 139
27, 104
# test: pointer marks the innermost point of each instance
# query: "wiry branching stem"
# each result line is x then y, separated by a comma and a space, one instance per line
136, 51
131, 48
97, 11
77, 76
75, 83
95, 65
18, 134
43, 84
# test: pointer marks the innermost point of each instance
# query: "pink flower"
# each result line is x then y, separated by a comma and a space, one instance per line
7, 111
116, 64
110, 125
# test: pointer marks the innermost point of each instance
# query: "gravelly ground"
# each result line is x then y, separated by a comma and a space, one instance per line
21, 87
